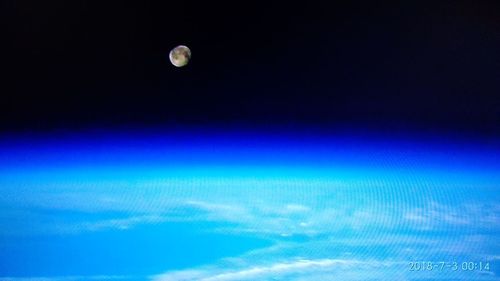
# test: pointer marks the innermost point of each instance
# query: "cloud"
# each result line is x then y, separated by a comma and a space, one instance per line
438, 216
121, 223
287, 219
291, 269
314, 235
261, 216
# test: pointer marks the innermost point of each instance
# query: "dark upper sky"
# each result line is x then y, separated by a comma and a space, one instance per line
101, 64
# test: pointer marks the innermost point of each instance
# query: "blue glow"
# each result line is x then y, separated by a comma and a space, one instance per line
192, 206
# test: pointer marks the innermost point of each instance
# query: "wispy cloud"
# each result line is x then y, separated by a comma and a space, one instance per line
288, 219
436, 216
291, 269
314, 234
273, 215
120, 224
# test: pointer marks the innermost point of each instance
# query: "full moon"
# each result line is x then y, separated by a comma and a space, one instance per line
180, 55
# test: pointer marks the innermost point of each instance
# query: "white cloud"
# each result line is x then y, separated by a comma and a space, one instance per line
292, 270
436, 216
122, 223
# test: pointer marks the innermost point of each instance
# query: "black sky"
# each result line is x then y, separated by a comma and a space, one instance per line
103, 64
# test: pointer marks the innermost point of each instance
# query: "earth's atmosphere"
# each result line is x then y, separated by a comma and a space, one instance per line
229, 207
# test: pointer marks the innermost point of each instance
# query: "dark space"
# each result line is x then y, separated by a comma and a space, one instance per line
424, 65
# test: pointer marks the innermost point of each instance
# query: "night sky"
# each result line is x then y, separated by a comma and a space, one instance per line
75, 65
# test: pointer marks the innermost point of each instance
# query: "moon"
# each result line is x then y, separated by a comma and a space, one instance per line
180, 56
